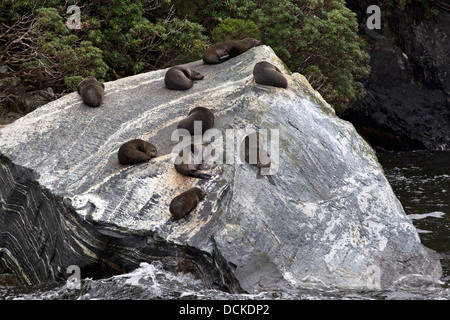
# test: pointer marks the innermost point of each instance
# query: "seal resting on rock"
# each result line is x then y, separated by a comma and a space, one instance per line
222, 51
189, 167
136, 151
182, 204
250, 149
197, 114
91, 91
267, 74
181, 78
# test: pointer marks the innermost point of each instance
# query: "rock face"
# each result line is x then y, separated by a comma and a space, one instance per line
331, 218
407, 105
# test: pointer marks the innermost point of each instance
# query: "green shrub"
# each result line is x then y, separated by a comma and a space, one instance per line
230, 28
72, 82
314, 37
60, 53
122, 37
182, 42
42, 52
117, 38
416, 9
136, 39
330, 53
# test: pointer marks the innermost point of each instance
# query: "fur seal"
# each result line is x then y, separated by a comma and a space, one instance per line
181, 78
136, 151
185, 202
190, 168
91, 91
222, 51
197, 114
251, 147
267, 74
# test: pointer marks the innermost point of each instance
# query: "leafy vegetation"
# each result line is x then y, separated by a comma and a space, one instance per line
231, 28
317, 38
116, 39
314, 37
418, 9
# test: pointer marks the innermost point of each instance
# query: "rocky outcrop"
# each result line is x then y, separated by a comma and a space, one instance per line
332, 217
16, 96
407, 105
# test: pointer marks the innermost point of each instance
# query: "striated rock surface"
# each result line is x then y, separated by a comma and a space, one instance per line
331, 218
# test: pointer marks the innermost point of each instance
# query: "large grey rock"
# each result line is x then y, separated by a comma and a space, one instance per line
332, 218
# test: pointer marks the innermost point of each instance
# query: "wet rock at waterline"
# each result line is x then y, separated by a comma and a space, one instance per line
331, 218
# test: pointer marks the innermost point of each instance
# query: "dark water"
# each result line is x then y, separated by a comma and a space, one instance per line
421, 180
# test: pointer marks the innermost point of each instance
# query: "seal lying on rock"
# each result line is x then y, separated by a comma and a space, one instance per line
136, 151
181, 78
267, 74
91, 91
185, 202
188, 166
250, 149
222, 51
197, 114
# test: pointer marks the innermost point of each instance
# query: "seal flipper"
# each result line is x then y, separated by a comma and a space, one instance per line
202, 166
223, 58
222, 54
271, 180
134, 157
201, 175
258, 174
269, 177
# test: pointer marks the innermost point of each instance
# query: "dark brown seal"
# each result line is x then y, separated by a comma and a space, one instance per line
267, 74
185, 202
189, 167
91, 91
181, 78
197, 114
136, 151
222, 51
252, 154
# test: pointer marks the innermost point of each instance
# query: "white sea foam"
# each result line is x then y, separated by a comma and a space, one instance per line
434, 214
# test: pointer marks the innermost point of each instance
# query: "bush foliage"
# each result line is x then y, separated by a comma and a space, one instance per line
317, 38
116, 39
230, 28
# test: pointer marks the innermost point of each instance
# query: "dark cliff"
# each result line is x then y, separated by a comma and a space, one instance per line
407, 105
